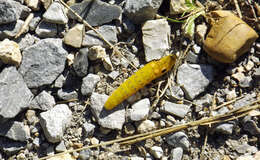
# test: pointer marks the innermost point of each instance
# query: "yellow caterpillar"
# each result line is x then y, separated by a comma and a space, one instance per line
139, 79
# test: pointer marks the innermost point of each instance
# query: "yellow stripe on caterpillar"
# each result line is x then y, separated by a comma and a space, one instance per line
139, 79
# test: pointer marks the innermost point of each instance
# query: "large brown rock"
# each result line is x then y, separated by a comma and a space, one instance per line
229, 37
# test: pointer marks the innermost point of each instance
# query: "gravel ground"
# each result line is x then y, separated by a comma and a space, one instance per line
56, 75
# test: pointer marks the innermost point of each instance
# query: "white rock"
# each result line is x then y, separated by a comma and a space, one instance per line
157, 152
107, 63
75, 36
145, 126
55, 121
140, 110
178, 7
33, 4
55, 14
10, 52
96, 52
156, 35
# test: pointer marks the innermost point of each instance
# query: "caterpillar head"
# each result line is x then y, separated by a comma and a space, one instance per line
165, 64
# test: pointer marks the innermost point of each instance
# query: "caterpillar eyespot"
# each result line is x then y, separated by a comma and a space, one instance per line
139, 79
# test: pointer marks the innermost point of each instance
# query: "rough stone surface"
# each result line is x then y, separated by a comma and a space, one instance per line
113, 119
176, 153
59, 81
140, 110
46, 30
56, 14
194, 78
156, 35
67, 93
43, 101
33, 4
89, 83
43, 62
109, 32
113, 75
156, 151
80, 63
11, 87
96, 12
55, 121
140, 11
179, 110
75, 35
10, 52
27, 41
179, 139
12, 11
225, 128
16, 131
175, 92
11, 29
34, 22
145, 126
88, 129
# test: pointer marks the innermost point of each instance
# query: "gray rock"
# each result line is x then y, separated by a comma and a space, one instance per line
96, 12
175, 92
55, 121
59, 81
109, 32
61, 147
113, 75
16, 131
246, 148
85, 154
80, 63
251, 127
12, 11
246, 82
11, 29
179, 139
179, 110
36, 142
27, 41
11, 147
46, 30
43, 101
88, 129
246, 100
140, 110
43, 62
113, 119
194, 78
156, 35
55, 14
192, 58
67, 93
12, 86
156, 151
196, 49
225, 128
89, 83
205, 101
140, 11
176, 154
34, 22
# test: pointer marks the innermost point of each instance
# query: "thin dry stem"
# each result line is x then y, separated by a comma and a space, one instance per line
25, 25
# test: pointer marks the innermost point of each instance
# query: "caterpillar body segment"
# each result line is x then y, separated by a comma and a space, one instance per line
139, 79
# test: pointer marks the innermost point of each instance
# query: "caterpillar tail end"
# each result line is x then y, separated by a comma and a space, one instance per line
108, 106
